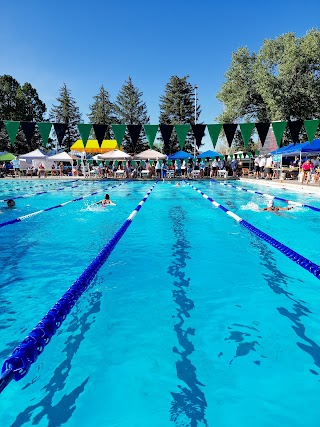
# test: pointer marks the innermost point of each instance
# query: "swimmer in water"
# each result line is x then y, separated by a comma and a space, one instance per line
106, 201
271, 208
177, 184
10, 204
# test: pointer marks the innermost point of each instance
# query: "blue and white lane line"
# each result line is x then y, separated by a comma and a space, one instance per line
17, 365
268, 196
24, 196
289, 253
61, 205
39, 193
40, 185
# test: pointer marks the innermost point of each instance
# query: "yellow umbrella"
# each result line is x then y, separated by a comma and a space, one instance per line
78, 146
92, 146
108, 145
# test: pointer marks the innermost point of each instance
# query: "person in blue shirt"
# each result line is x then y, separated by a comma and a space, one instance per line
234, 167
164, 169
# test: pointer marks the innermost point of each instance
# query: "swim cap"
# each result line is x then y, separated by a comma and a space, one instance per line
270, 203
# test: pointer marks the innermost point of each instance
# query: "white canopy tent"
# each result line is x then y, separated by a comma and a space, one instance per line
150, 155
115, 155
61, 157
33, 155
37, 157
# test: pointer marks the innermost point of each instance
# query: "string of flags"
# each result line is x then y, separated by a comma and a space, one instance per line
182, 131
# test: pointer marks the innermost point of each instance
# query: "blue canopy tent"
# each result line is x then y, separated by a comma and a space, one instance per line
298, 149
282, 150
304, 147
180, 155
313, 148
209, 153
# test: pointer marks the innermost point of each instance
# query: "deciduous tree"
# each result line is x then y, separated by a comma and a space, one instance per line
280, 82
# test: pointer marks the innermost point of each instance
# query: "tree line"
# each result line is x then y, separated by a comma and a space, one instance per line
22, 103
280, 82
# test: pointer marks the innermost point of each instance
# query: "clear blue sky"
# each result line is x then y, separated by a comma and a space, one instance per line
86, 44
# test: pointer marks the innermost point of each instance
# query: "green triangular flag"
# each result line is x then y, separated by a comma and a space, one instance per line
151, 132
12, 129
119, 131
231, 156
311, 127
246, 131
214, 132
182, 132
44, 129
240, 155
169, 162
278, 130
84, 130
257, 153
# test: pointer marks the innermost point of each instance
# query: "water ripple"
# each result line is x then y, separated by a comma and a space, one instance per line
188, 405
61, 412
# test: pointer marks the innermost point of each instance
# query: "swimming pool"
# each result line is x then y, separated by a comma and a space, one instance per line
192, 321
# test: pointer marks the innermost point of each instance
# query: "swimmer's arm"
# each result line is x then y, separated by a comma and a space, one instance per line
99, 203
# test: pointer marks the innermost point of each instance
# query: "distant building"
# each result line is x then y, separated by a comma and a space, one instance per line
270, 143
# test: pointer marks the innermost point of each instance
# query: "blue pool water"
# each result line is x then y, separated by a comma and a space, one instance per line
192, 321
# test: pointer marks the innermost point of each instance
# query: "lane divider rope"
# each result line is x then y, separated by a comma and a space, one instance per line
42, 185
288, 252
61, 205
269, 196
17, 365
39, 193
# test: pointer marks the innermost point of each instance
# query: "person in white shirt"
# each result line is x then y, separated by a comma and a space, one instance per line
269, 166
256, 167
183, 168
214, 168
262, 164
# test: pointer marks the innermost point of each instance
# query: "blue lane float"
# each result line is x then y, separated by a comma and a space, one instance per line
268, 196
39, 193
61, 205
17, 365
43, 185
288, 252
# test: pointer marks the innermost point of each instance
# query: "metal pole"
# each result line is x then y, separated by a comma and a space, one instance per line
300, 169
195, 118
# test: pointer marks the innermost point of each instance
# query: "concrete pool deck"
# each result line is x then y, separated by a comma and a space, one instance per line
286, 185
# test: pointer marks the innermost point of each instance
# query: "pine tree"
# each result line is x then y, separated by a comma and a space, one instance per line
177, 107
19, 103
132, 110
102, 111
67, 112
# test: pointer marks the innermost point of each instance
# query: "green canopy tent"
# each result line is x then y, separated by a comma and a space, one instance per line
7, 157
